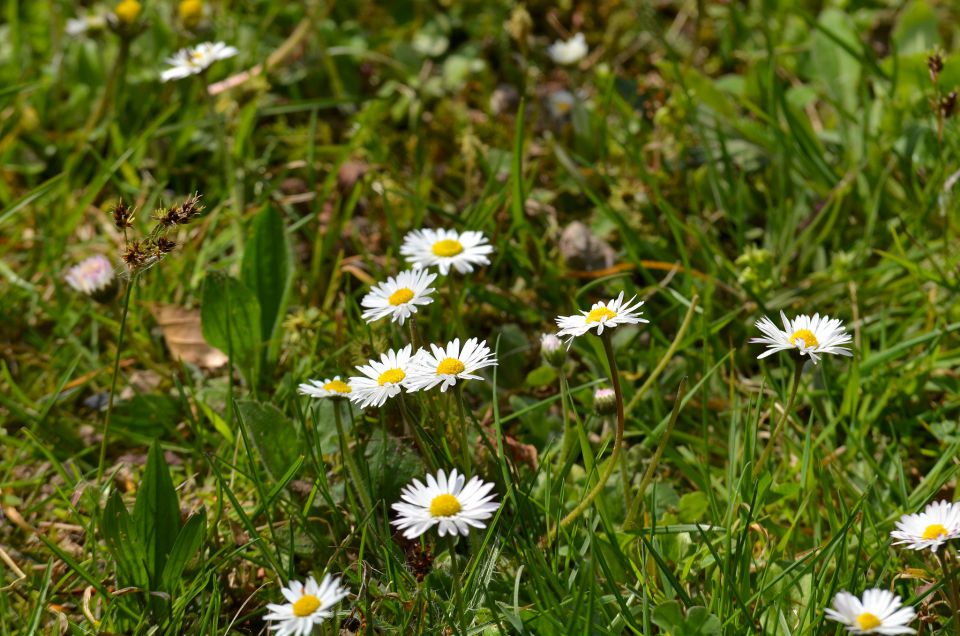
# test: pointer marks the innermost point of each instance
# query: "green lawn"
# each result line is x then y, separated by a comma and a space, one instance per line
162, 472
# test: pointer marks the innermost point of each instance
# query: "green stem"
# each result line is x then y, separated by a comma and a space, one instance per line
455, 576
348, 460
634, 509
666, 356
467, 467
617, 442
108, 90
953, 594
113, 382
566, 446
797, 373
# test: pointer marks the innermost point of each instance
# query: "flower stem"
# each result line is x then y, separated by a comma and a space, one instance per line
462, 430
349, 462
797, 373
115, 76
634, 509
951, 579
113, 382
617, 442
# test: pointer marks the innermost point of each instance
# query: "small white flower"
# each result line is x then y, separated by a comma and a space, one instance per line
196, 59
399, 296
446, 249
568, 52
91, 276
308, 605
384, 379
810, 336
444, 501
937, 524
79, 26
444, 366
601, 315
560, 104
329, 388
880, 612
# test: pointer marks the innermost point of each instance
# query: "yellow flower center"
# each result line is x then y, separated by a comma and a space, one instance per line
450, 366
444, 506
337, 386
190, 12
447, 248
935, 531
806, 335
868, 621
600, 313
563, 107
196, 57
128, 11
306, 605
402, 295
391, 376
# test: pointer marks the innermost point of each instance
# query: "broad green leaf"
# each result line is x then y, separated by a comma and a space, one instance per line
186, 545
832, 63
123, 543
276, 438
267, 271
916, 30
156, 513
230, 320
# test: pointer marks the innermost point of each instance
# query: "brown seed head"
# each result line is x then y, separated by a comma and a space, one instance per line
935, 65
190, 208
123, 215
948, 104
134, 254
164, 245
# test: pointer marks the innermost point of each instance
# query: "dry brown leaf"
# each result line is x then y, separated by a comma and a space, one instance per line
184, 338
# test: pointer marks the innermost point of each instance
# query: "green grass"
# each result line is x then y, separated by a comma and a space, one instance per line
744, 159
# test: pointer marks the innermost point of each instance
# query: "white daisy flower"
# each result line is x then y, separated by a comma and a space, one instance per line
384, 379
568, 52
444, 501
196, 59
880, 612
93, 276
399, 296
560, 103
444, 366
602, 314
937, 524
811, 336
446, 249
329, 388
309, 604
76, 27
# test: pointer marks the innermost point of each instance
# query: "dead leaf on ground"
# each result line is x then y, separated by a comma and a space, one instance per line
184, 338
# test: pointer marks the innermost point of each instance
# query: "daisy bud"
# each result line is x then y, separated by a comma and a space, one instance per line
552, 350
604, 402
93, 277
128, 11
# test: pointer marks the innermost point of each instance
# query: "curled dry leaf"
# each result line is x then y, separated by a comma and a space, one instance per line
181, 331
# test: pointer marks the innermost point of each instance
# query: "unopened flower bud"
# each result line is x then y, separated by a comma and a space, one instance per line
604, 401
552, 349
